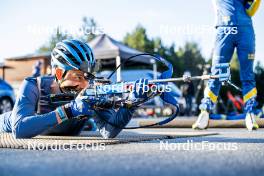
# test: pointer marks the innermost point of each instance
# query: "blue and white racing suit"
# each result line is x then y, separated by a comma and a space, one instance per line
234, 30
33, 114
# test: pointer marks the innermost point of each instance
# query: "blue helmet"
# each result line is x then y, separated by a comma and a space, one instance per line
73, 54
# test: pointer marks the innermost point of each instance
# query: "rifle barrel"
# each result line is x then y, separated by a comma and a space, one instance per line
203, 77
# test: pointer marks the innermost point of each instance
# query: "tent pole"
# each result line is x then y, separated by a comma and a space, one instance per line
153, 61
118, 72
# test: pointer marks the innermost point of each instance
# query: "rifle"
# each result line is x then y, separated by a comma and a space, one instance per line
115, 95
115, 91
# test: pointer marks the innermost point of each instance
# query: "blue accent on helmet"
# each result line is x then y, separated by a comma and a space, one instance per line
73, 54
92, 60
68, 62
77, 45
71, 50
55, 62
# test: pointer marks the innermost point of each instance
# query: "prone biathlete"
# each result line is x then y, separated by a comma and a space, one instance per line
73, 66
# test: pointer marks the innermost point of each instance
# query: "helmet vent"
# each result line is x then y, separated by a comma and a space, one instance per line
77, 51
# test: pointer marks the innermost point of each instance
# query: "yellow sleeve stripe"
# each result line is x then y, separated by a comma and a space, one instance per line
253, 7
250, 94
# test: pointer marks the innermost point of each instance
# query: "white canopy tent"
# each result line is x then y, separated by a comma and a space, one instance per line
105, 47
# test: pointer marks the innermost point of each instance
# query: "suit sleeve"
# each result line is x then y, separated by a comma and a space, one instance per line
117, 119
25, 122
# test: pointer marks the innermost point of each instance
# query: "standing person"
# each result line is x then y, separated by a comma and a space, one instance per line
37, 69
188, 94
234, 31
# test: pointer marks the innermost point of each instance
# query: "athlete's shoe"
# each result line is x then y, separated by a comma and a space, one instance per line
202, 122
250, 121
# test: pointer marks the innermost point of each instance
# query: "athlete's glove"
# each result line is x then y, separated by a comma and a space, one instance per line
141, 88
75, 109
80, 106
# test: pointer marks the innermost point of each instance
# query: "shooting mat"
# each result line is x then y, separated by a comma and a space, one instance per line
90, 139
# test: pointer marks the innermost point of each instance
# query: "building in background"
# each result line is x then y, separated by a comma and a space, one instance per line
22, 67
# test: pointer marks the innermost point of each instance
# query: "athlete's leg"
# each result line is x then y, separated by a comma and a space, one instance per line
246, 55
223, 51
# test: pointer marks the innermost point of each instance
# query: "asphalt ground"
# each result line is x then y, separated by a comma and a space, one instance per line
229, 152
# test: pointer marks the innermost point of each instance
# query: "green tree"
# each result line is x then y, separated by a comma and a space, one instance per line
88, 29
139, 40
187, 57
55, 38
190, 58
